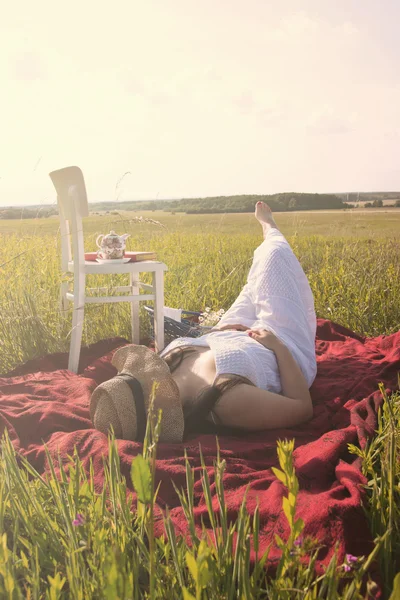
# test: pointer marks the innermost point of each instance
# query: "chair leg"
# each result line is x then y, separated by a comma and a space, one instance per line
77, 323
63, 298
158, 285
134, 281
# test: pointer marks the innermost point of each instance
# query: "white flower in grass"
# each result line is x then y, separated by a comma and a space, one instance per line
210, 318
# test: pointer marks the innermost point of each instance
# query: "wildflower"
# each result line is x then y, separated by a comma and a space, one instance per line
298, 542
209, 317
350, 560
79, 520
347, 568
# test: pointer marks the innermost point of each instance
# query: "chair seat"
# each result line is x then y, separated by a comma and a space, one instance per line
91, 267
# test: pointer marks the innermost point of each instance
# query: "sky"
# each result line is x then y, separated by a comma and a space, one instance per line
195, 99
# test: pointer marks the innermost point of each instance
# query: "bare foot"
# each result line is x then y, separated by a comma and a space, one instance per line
263, 214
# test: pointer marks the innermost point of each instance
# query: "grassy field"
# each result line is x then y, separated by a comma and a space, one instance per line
352, 260
347, 223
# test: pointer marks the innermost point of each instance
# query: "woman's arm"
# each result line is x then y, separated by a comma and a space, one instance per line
248, 407
236, 327
253, 409
294, 384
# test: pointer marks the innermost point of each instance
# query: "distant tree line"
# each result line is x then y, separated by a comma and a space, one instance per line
239, 204
27, 213
219, 204
232, 204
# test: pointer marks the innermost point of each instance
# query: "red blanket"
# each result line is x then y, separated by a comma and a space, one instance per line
42, 402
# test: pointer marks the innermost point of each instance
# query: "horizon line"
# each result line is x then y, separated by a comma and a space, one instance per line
171, 199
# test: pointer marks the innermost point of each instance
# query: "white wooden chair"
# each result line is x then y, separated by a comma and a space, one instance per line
73, 206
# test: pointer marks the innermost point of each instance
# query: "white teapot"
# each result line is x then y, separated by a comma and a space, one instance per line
111, 245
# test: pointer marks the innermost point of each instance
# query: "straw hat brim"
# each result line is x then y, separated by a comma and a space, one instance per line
112, 403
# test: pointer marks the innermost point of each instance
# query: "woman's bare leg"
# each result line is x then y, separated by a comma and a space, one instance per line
281, 294
243, 310
263, 214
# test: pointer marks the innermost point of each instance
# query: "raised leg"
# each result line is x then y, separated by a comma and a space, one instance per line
280, 289
282, 296
263, 214
77, 322
134, 282
242, 311
158, 286
277, 295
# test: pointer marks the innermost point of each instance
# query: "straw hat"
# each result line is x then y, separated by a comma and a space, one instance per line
123, 401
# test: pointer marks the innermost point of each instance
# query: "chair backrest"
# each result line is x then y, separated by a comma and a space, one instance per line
72, 206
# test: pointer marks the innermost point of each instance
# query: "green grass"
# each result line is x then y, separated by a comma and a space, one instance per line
355, 279
342, 223
381, 466
352, 260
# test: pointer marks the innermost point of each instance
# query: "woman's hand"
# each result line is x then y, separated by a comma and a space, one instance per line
294, 384
237, 327
264, 337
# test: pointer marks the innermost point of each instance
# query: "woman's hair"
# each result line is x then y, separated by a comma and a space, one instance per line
197, 410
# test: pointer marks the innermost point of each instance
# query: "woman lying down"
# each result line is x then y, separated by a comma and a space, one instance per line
252, 372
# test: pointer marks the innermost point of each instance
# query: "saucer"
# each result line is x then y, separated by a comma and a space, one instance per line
109, 261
